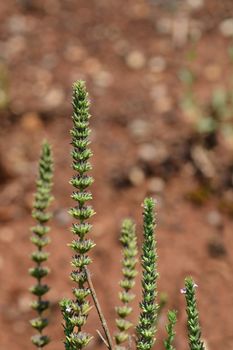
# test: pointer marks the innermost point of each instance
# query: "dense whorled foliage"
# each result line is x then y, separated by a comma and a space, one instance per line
75, 311
146, 327
128, 240
40, 240
194, 329
168, 343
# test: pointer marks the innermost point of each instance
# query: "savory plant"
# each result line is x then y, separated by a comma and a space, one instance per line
75, 310
146, 327
40, 240
168, 343
194, 329
128, 240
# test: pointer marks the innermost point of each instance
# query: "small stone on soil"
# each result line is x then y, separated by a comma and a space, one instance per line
156, 185
54, 98
202, 161
136, 60
139, 128
103, 79
214, 218
195, 4
180, 30
149, 152
14, 46
136, 176
226, 27
17, 24
164, 25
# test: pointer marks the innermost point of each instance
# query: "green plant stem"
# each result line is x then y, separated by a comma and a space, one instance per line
128, 240
194, 329
75, 312
168, 343
146, 327
40, 240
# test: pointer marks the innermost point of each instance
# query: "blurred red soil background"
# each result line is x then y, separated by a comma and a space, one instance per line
130, 53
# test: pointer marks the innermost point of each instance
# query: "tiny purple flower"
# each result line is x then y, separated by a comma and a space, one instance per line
68, 309
183, 290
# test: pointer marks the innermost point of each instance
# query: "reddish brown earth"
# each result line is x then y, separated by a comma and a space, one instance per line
44, 47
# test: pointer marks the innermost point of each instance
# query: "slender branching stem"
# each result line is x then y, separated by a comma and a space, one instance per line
102, 338
99, 311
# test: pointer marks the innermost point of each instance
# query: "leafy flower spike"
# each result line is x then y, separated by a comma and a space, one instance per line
129, 242
194, 329
170, 330
146, 328
75, 312
40, 240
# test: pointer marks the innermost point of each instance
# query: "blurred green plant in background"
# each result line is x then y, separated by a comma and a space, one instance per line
212, 117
